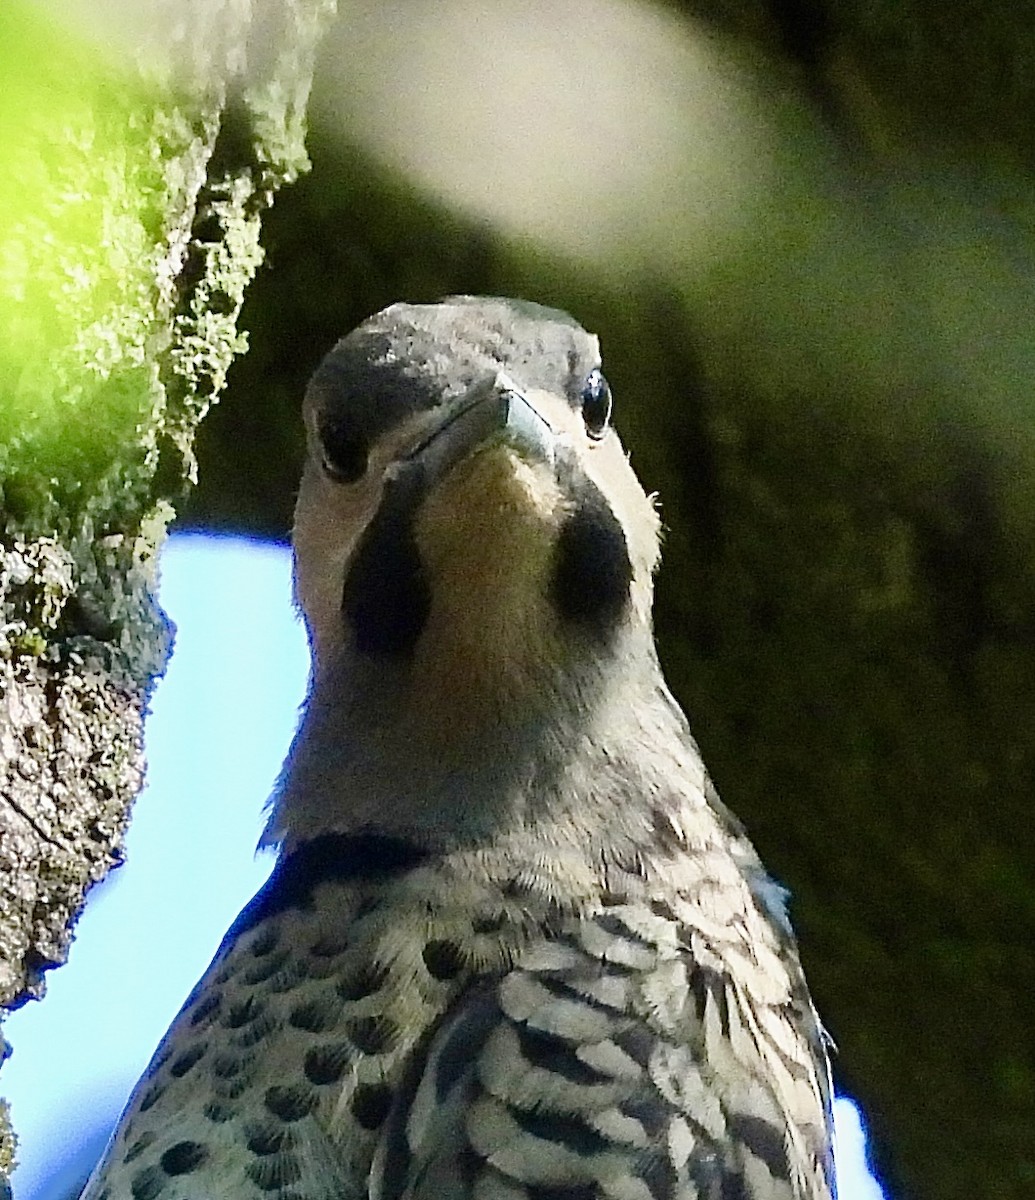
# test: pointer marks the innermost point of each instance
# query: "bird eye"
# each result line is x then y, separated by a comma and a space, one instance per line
596, 403
344, 449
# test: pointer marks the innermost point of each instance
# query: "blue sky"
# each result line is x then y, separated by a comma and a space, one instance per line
219, 728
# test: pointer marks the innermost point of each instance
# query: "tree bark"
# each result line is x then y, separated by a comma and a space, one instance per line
123, 265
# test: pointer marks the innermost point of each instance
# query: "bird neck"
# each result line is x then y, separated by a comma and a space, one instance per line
583, 754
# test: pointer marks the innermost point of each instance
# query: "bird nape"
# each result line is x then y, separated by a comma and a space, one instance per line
514, 947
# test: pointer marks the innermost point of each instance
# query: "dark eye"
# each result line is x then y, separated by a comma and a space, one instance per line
344, 449
596, 403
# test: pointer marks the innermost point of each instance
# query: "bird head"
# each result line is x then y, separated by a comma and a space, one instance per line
473, 552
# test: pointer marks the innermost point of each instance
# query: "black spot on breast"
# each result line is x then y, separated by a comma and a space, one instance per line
265, 941
254, 1032
364, 981
489, 924
226, 1066
243, 1013
183, 1158
386, 599
316, 1015
151, 1096
266, 967
444, 960
592, 572
206, 1007
273, 1173
264, 1140
329, 946
370, 1104
372, 1035
138, 1147
147, 1183
219, 1111
231, 1089
290, 1102
182, 1064
326, 1064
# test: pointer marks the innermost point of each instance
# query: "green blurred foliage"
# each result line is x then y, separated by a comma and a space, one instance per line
82, 204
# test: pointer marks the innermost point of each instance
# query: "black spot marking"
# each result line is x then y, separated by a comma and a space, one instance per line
161, 1057
553, 1054
489, 924
273, 1173
364, 981
764, 1139
231, 1089
370, 1104
290, 1102
219, 1112
139, 1146
444, 959
226, 1066
327, 1064
570, 1132
372, 1035
329, 946
330, 858
255, 1031
386, 599
243, 1013
592, 573
207, 1006
151, 1096
316, 1015
266, 941
287, 979
183, 1158
265, 968
187, 1059
269, 1139
147, 1183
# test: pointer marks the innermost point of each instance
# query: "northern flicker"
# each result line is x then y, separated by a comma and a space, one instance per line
514, 946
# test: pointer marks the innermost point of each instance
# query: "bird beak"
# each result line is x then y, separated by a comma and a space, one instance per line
493, 410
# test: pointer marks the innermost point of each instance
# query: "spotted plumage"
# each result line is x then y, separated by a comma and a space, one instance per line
514, 947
